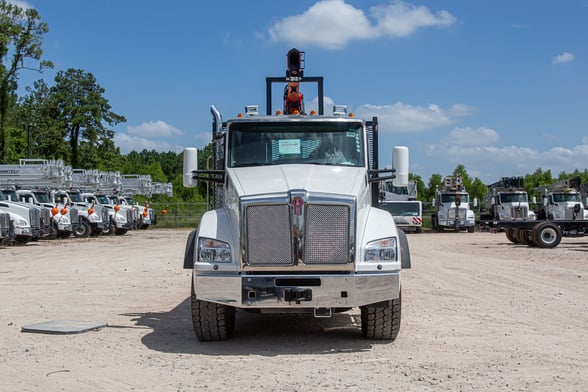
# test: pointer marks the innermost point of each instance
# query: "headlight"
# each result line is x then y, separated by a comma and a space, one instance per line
120, 218
213, 251
381, 250
21, 223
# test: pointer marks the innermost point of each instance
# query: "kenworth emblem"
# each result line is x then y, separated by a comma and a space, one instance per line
297, 203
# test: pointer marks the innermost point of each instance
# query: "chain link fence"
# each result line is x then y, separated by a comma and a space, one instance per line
178, 215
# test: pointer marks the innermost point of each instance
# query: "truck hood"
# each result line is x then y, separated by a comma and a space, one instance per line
311, 178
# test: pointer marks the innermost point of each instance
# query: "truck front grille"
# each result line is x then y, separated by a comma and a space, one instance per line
273, 235
326, 234
269, 238
461, 214
519, 212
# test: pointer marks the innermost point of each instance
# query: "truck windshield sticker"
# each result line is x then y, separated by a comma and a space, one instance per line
289, 146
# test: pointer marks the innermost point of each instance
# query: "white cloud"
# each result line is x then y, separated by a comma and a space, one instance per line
332, 24
400, 19
563, 58
402, 117
128, 143
478, 150
22, 4
154, 129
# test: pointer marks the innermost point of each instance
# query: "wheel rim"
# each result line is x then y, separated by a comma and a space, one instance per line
548, 235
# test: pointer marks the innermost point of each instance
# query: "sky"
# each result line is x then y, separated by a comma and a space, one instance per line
498, 86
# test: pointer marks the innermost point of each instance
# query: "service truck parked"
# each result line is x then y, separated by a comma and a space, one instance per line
507, 199
562, 214
295, 228
401, 202
452, 206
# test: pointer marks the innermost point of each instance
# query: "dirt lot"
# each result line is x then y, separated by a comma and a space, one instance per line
479, 314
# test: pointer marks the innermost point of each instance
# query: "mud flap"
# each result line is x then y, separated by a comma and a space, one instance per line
404, 251
189, 253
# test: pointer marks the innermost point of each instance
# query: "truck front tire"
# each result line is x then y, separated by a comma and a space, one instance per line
381, 321
211, 321
546, 235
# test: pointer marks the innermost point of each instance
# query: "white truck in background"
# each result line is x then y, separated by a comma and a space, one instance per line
295, 228
401, 202
452, 207
563, 201
507, 199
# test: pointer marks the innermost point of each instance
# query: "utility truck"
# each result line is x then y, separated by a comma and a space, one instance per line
93, 219
401, 202
562, 214
29, 182
133, 185
452, 206
507, 199
295, 228
562, 200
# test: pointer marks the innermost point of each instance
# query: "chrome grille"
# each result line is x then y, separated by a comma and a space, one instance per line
4, 221
461, 214
326, 234
35, 218
268, 235
73, 215
519, 212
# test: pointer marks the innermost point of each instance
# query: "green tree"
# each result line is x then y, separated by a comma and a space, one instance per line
37, 112
85, 114
21, 32
434, 181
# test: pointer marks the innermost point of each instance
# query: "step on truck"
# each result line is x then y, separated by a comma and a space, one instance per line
294, 227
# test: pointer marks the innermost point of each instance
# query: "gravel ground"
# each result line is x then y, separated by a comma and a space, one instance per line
478, 314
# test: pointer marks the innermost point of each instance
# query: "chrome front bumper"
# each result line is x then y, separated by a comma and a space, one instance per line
297, 291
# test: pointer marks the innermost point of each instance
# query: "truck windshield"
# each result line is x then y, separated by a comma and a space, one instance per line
563, 197
451, 197
513, 197
42, 197
324, 143
402, 209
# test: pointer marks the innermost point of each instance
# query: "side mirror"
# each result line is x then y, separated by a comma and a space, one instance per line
475, 201
534, 200
400, 164
190, 164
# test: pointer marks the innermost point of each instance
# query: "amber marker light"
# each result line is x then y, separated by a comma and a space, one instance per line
54, 211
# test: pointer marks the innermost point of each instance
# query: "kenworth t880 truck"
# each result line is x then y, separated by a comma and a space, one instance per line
295, 228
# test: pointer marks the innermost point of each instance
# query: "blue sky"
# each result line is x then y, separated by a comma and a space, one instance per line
498, 86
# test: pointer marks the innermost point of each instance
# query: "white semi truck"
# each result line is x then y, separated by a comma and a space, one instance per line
452, 206
295, 228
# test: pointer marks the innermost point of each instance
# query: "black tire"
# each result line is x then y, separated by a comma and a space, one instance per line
108, 228
120, 231
381, 321
434, 222
82, 229
546, 235
211, 321
524, 237
471, 229
511, 235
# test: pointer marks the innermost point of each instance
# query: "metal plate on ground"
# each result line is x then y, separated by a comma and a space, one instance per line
64, 327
